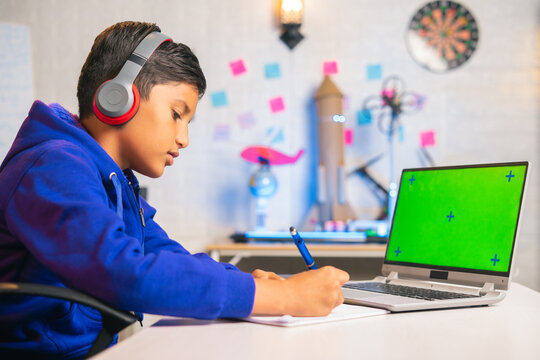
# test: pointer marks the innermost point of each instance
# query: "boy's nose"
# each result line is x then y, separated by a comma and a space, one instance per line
182, 137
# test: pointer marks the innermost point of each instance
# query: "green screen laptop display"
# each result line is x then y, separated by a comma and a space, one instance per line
457, 217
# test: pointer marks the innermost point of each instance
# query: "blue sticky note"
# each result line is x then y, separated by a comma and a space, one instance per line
401, 133
219, 98
278, 138
272, 71
364, 117
374, 71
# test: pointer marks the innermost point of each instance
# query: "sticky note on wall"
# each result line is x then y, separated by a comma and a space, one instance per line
276, 104
401, 132
238, 67
272, 71
427, 138
219, 98
222, 132
348, 136
374, 71
363, 117
278, 138
246, 120
330, 67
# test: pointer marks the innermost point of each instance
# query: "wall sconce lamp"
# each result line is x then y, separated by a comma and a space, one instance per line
290, 17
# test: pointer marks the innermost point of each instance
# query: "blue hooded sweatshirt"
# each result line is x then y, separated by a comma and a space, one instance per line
70, 217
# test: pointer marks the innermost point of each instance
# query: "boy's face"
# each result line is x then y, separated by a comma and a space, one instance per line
151, 140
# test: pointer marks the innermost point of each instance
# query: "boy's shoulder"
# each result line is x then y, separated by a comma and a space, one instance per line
52, 160
53, 150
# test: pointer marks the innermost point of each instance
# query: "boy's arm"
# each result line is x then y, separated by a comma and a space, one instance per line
156, 239
60, 214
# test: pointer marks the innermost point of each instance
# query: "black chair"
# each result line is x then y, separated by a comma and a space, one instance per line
113, 320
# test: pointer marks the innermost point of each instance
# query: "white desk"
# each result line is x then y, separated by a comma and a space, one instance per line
509, 330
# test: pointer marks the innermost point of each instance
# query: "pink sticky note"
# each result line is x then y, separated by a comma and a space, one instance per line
237, 67
330, 67
277, 104
348, 136
427, 138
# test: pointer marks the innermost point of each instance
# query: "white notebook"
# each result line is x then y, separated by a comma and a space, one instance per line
342, 312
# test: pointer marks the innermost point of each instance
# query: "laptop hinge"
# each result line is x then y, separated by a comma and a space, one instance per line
488, 287
392, 276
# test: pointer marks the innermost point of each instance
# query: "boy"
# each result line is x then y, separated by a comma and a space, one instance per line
70, 213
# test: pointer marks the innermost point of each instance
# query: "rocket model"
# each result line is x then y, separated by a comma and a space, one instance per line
331, 200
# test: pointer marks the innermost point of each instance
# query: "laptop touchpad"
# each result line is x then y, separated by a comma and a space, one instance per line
358, 294
395, 300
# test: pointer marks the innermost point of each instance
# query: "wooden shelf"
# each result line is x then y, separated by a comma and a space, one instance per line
243, 250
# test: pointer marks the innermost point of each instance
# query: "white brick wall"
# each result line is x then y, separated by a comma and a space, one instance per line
485, 111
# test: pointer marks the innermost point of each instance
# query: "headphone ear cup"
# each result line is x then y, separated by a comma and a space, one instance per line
114, 104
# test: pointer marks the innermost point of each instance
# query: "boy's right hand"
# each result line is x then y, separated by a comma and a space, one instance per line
310, 293
316, 292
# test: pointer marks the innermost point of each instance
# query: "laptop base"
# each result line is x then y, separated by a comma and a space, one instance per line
394, 303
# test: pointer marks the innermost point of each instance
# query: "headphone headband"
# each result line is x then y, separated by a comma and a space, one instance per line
140, 55
117, 100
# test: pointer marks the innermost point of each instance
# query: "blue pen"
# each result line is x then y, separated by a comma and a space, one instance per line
299, 242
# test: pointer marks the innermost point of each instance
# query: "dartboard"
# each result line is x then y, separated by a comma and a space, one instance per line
442, 35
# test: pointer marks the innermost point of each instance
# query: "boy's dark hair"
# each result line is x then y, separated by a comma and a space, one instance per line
170, 62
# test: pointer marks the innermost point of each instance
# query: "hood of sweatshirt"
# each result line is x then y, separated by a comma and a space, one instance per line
49, 123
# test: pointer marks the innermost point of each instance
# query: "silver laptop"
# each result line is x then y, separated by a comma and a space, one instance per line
452, 239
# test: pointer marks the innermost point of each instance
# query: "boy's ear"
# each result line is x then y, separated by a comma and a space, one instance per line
116, 101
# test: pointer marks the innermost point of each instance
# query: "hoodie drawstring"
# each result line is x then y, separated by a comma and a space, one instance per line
120, 211
117, 186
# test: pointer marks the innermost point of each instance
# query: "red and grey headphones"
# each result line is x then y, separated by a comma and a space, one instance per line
117, 100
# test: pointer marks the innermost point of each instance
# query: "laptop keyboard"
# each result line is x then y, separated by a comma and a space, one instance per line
408, 291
